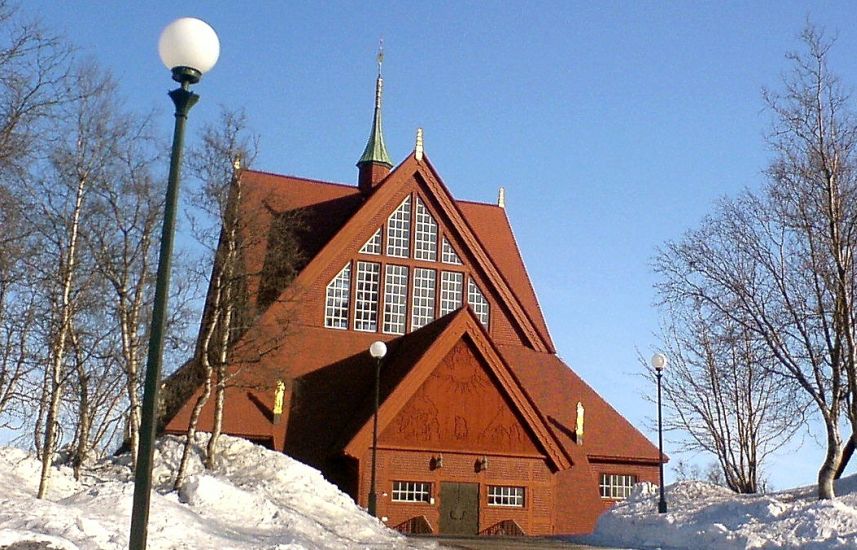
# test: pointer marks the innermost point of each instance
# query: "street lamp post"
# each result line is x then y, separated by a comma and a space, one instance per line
188, 47
659, 362
377, 350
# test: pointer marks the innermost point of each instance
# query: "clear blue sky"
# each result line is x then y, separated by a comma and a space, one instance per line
613, 125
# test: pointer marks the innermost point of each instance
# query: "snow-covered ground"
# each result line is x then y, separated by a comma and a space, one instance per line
255, 498
261, 499
706, 516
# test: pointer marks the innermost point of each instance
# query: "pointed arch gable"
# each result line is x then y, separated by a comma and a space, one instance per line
385, 199
464, 325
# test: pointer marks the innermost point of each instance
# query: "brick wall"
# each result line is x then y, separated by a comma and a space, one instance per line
535, 517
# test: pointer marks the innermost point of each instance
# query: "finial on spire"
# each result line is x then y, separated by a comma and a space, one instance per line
418, 149
375, 163
501, 198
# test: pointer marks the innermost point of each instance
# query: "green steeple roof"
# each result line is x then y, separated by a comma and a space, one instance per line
375, 150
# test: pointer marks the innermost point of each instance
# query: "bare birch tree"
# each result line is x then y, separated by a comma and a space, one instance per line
35, 68
228, 231
127, 207
780, 263
719, 392
83, 148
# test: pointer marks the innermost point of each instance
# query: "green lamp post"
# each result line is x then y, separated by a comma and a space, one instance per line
188, 47
377, 350
659, 363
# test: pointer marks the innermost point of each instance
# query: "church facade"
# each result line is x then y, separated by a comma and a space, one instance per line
481, 428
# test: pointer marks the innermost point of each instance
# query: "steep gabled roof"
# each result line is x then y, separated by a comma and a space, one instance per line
492, 255
408, 367
321, 209
556, 389
492, 227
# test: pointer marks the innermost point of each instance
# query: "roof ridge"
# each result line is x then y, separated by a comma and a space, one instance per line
301, 178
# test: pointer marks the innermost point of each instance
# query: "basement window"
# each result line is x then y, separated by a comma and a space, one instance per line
411, 491
502, 495
616, 486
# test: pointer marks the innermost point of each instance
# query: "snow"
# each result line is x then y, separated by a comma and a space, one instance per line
254, 498
260, 499
703, 515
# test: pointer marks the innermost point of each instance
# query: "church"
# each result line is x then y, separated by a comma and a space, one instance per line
480, 427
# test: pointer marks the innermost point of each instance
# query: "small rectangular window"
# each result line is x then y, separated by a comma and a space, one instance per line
422, 307
411, 491
502, 495
451, 288
616, 486
366, 296
395, 298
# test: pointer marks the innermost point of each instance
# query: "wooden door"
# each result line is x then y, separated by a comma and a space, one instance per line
459, 508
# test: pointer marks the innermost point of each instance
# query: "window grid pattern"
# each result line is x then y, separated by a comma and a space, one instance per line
411, 491
422, 306
478, 303
501, 495
395, 299
399, 231
373, 245
448, 255
451, 287
337, 300
425, 234
366, 296
616, 486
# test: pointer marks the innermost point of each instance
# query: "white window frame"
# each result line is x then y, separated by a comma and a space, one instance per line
616, 486
451, 291
478, 302
425, 233
399, 230
423, 297
448, 254
366, 289
373, 245
506, 496
396, 284
338, 299
411, 491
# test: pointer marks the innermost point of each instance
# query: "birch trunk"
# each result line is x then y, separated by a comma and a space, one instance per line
57, 374
181, 474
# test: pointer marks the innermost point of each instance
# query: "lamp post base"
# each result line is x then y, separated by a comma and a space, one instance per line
373, 502
662, 507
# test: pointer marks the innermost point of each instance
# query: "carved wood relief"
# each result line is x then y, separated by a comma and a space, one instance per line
460, 406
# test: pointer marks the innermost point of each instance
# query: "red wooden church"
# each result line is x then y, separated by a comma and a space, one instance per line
482, 429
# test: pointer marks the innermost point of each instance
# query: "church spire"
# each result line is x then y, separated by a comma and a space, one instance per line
375, 163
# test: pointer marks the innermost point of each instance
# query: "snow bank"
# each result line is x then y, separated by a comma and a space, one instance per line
702, 515
254, 498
